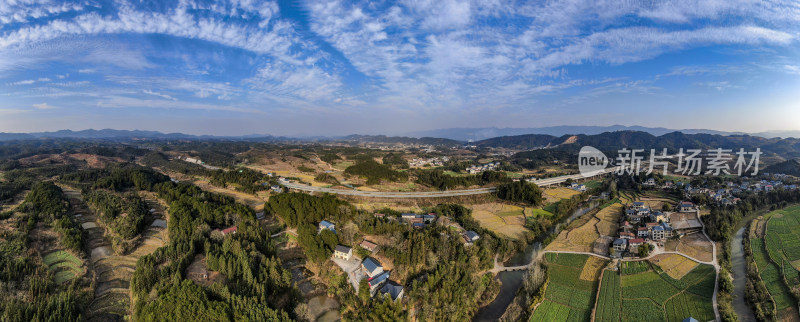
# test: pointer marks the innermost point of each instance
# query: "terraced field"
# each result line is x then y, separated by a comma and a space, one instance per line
776, 252
608, 218
570, 294
64, 265
642, 292
113, 272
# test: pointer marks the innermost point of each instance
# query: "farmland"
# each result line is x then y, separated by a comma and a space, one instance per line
608, 219
571, 291
674, 265
610, 301
64, 265
507, 220
578, 237
776, 252
558, 193
696, 246
643, 292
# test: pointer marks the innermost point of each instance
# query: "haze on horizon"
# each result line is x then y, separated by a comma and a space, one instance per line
341, 67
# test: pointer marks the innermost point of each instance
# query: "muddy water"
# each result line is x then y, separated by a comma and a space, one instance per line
323, 308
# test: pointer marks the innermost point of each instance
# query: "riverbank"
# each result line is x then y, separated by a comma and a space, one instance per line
512, 281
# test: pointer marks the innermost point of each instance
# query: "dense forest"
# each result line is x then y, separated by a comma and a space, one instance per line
22, 271
247, 259
520, 191
124, 215
436, 178
375, 172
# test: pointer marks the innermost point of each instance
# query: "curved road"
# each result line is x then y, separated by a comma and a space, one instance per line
430, 194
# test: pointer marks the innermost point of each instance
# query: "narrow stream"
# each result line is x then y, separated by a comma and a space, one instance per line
740, 278
511, 281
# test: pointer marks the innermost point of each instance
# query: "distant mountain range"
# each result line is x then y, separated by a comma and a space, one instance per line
476, 134
125, 135
610, 142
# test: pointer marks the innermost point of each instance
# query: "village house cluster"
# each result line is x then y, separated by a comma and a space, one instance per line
370, 268
579, 187
641, 224
475, 169
434, 162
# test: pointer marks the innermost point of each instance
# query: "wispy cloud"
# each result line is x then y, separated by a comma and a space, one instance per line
43, 106
149, 92
408, 57
29, 81
792, 69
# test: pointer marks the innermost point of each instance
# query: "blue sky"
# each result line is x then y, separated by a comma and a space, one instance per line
299, 67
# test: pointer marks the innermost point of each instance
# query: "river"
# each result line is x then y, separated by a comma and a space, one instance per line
740, 278
511, 281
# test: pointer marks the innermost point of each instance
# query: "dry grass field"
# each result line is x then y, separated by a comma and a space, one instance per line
671, 245
696, 246
591, 270
507, 220
608, 220
558, 193
579, 236
676, 266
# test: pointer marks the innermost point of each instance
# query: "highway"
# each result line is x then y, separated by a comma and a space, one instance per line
428, 194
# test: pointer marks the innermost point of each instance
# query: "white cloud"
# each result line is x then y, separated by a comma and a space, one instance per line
792, 69
15, 11
43, 106
411, 56
149, 92
29, 81
719, 85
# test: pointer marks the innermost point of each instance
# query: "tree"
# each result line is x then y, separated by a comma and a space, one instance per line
644, 249
363, 290
520, 191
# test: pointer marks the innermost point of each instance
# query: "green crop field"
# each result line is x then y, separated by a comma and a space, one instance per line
641, 310
64, 265
629, 268
652, 295
777, 255
610, 301
568, 297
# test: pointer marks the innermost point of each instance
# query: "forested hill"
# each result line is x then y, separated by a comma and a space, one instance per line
790, 167
611, 141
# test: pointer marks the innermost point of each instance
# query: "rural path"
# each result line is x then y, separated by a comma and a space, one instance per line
287, 231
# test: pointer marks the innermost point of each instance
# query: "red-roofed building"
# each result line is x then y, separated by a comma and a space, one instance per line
229, 230
626, 235
633, 244
642, 232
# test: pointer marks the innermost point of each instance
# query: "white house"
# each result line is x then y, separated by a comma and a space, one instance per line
343, 252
